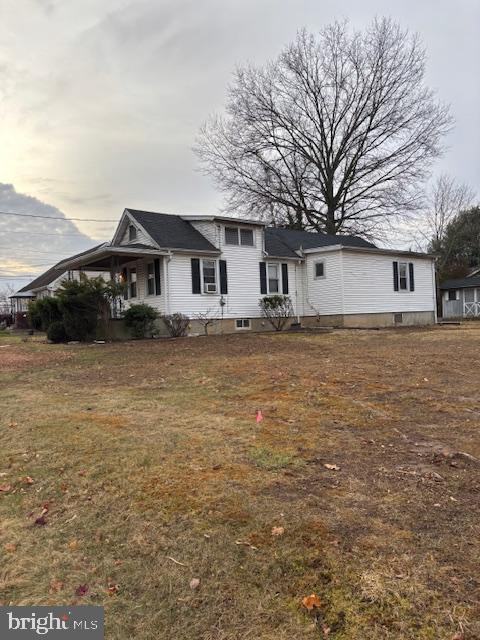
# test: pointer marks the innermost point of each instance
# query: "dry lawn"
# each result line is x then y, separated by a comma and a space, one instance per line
131, 469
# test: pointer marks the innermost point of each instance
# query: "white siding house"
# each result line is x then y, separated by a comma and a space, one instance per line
223, 266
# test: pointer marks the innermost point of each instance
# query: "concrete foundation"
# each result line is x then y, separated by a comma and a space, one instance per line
351, 321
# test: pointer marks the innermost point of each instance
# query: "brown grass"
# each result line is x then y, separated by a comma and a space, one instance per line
146, 451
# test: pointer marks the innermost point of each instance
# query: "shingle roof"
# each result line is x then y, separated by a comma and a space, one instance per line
461, 283
285, 242
52, 274
171, 231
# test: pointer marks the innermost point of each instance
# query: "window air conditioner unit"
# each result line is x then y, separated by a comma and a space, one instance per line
210, 288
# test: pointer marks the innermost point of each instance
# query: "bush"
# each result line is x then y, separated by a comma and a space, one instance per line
177, 324
277, 309
139, 318
42, 312
80, 303
56, 332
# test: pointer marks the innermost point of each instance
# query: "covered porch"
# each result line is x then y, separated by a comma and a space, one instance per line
138, 267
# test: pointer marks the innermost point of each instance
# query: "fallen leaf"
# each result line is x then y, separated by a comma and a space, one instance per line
41, 521
73, 544
311, 602
112, 589
278, 531
56, 585
194, 583
81, 590
13, 424
10, 547
331, 467
5, 487
458, 636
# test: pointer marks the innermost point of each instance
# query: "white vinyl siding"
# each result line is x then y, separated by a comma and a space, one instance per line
368, 284
323, 296
157, 302
141, 238
243, 277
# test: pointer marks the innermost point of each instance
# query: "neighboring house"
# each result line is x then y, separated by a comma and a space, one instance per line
461, 296
223, 266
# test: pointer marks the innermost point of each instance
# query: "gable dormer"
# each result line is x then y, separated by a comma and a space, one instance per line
130, 231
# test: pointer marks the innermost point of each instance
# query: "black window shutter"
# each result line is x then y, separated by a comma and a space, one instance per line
263, 278
395, 276
412, 277
285, 277
125, 283
196, 286
156, 268
223, 277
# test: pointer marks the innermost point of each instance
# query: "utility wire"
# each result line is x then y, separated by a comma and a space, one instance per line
32, 215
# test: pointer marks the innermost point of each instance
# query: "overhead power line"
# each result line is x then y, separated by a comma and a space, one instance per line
33, 215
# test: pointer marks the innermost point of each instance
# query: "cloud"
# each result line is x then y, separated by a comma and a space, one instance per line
29, 246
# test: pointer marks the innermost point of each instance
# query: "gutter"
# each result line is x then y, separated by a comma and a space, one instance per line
371, 250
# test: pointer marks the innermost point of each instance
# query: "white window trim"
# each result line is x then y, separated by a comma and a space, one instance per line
132, 226
239, 237
149, 295
243, 328
129, 281
217, 277
280, 280
315, 277
407, 290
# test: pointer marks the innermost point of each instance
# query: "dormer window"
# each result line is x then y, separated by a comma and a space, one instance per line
239, 235
132, 233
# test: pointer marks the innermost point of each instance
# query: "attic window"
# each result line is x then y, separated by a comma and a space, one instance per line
237, 236
132, 233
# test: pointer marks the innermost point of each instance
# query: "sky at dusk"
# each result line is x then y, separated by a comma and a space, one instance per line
100, 103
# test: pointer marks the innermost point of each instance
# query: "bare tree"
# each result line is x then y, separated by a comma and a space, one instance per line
207, 318
5, 303
337, 134
446, 199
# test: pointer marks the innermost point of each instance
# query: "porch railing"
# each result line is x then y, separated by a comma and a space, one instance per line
471, 309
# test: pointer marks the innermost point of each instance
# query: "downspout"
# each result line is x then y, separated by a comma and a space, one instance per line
306, 286
296, 290
167, 283
434, 286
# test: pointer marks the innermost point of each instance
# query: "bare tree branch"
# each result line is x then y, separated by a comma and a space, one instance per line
337, 134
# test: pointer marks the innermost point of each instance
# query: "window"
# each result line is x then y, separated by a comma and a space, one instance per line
132, 282
403, 276
246, 237
273, 284
242, 323
132, 233
236, 235
231, 235
319, 269
150, 279
209, 272
452, 294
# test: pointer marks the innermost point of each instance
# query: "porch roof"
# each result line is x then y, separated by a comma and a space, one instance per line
100, 258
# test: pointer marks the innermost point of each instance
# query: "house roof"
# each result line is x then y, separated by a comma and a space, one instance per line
171, 231
286, 242
47, 277
42, 280
461, 283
